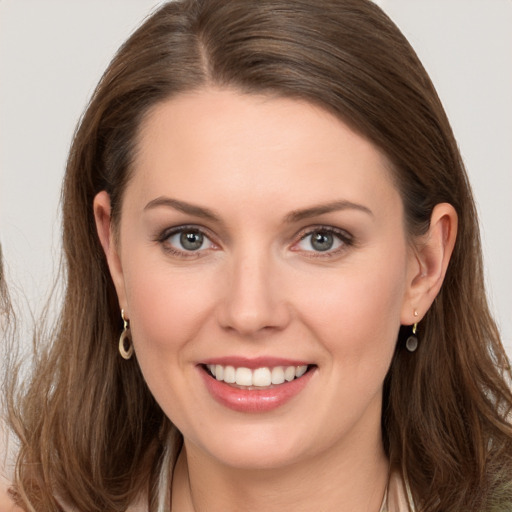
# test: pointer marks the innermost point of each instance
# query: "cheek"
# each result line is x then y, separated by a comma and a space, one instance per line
166, 308
356, 311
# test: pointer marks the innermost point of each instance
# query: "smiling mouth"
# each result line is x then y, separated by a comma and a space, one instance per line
259, 378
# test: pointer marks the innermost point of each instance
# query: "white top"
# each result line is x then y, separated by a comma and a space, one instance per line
396, 499
398, 496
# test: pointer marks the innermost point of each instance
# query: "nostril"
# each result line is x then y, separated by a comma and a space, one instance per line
253, 317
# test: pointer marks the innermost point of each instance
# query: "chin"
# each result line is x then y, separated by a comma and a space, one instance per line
260, 447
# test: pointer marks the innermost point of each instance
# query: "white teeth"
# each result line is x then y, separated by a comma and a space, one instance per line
229, 375
277, 375
300, 371
289, 373
260, 377
243, 377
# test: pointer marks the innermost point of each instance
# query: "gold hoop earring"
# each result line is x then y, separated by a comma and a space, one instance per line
412, 341
125, 341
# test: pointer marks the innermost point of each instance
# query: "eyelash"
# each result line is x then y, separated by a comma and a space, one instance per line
345, 238
163, 240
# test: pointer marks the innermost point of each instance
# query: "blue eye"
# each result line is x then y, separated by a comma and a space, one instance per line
187, 240
323, 240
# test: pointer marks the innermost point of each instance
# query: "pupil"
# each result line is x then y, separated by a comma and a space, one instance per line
322, 241
191, 240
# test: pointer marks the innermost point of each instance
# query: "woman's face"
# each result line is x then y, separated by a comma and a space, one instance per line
257, 235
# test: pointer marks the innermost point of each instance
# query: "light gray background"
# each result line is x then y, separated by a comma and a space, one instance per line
53, 52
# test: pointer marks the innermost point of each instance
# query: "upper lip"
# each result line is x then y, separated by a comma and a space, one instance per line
256, 362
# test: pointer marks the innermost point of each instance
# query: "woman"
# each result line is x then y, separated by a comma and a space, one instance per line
274, 283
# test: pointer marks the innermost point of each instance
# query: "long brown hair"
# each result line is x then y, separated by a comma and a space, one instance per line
91, 432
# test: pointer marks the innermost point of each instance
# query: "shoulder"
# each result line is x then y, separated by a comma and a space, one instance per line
6, 504
399, 497
140, 506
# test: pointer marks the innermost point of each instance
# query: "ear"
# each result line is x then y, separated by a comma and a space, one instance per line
428, 263
104, 227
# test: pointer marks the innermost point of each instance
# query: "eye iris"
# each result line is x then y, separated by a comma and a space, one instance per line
321, 241
191, 240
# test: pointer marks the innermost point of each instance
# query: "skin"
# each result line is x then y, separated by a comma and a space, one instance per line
6, 504
257, 287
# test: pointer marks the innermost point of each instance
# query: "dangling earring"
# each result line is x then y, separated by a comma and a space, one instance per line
125, 342
412, 341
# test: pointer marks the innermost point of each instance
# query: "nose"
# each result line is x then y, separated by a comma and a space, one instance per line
254, 299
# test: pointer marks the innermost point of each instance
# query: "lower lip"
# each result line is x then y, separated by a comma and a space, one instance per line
254, 400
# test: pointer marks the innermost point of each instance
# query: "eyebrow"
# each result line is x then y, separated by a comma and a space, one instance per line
294, 216
298, 215
190, 209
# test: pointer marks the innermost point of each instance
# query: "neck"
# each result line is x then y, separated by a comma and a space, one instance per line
350, 477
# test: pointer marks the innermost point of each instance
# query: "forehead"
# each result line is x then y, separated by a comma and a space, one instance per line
213, 143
